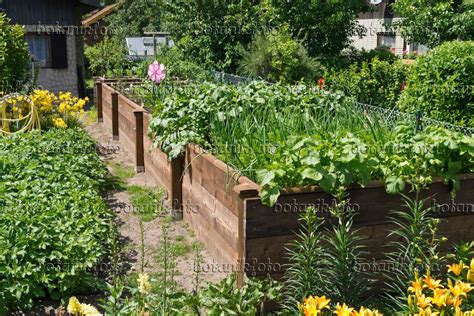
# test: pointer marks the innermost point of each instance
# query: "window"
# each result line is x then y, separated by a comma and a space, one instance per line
48, 51
387, 40
40, 49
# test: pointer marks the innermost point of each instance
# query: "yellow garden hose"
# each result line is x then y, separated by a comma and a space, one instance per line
31, 120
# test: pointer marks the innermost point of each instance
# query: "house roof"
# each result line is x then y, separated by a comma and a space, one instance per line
99, 15
91, 3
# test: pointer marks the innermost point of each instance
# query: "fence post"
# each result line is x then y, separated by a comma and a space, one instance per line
418, 121
115, 116
139, 147
176, 185
98, 94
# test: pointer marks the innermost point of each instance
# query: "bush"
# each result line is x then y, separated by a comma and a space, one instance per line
383, 53
376, 82
278, 57
180, 67
107, 58
441, 84
14, 56
54, 225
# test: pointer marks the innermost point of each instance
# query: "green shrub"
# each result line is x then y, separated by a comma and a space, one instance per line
54, 224
278, 57
107, 58
14, 56
383, 53
441, 84
376, 82
180, 67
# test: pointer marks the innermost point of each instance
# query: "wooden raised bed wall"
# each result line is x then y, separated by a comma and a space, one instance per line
153, 161
228, 217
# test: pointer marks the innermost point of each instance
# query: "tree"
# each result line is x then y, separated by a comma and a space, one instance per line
325, 26
133, 17
14, 56
431, 22
211, 32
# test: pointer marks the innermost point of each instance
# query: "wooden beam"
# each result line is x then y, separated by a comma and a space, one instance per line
98, 94
115, 116
139, 147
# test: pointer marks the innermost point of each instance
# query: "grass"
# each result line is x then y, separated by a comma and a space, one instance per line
121, 172
147, 201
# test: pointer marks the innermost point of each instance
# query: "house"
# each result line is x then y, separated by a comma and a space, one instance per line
55, 38
379, 23
96, 25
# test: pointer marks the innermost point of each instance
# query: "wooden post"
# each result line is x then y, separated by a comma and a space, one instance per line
176, 185
139, 147
98, 94
115, 116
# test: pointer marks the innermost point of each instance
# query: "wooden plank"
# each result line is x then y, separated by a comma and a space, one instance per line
375, 238
373, 206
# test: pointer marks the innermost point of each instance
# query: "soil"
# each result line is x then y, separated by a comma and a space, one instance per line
128, 225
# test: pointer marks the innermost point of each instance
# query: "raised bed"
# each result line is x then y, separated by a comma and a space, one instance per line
128, 122
241, 233
228, 216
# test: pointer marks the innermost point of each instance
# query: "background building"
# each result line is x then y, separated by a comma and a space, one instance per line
380, 31
55, 37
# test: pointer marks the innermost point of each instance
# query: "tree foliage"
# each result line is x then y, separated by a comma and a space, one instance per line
212, 31
325, 26
133, 17
14, 56
431, 22
441, 84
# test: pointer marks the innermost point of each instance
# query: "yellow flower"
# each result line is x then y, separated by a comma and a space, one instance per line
74, 307
422, 301
416, 286
89, 310
366, 312
460, 289
320, 302
456, 268
143, 283
427, 312
343, 310
470, 273
440, 298
431, 283
59, 123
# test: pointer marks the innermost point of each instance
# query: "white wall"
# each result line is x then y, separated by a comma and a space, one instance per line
369, 40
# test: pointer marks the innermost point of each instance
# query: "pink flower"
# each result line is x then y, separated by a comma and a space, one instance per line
156, 72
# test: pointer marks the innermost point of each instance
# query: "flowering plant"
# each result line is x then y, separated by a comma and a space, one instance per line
156, 72
430, 296
318, 306
59, 111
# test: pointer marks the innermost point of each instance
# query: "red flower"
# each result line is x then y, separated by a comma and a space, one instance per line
321, 82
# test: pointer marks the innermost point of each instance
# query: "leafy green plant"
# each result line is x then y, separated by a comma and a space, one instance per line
107, 58
432, 23
371, 82
440, 84
278, 57
54, 225
14, 56
306, 273
414, 251
345, 252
